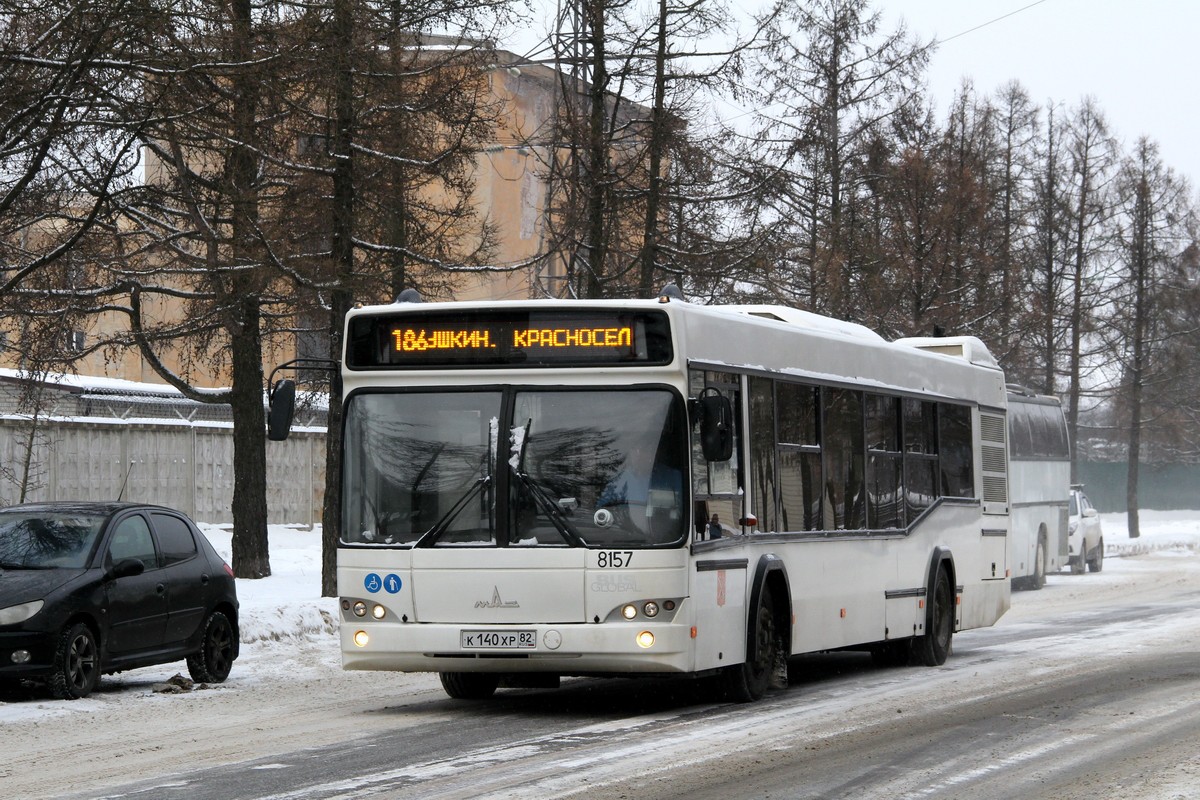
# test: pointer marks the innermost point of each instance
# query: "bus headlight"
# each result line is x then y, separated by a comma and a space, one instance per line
378, 611
650, 609
629, 611
361, 638
360, 609
645, 640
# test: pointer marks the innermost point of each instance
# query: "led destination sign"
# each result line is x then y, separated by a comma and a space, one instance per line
561, 337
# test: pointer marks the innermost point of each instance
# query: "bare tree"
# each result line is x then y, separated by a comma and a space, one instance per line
1152, 235
830, 79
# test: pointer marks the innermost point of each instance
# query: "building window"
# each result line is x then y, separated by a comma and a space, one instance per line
76, 341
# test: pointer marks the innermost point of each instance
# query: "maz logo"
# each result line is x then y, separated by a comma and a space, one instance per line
496, 602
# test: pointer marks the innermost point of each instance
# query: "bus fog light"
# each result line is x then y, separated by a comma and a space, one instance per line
360, 609
650, 609
361, 638
645, 639
378, 612
20, 656
629, 611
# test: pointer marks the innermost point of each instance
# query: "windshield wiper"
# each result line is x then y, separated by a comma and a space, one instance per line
430, 536
13, 565
556, 515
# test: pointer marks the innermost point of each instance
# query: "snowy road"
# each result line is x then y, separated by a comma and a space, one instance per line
1089, 688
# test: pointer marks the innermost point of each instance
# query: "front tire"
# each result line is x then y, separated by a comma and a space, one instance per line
749, 680
933, 648
76, 663
213, 661
1096, 563
469, 685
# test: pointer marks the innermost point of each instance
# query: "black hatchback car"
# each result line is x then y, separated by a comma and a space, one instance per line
92, 588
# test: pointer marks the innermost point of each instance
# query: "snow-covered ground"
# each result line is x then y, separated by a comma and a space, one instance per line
289, 632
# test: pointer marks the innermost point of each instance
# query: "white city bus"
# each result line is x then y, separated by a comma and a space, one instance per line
1039, 463
611, 488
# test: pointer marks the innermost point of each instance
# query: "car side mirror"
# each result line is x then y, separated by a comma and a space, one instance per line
716, 425
281, 407
127, 568
1090, 512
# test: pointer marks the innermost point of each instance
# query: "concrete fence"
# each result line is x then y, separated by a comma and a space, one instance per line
184, 464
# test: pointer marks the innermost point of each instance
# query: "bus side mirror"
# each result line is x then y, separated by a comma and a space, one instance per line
281, 407
716, 426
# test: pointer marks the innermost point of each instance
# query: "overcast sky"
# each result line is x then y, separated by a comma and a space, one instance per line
1139, 58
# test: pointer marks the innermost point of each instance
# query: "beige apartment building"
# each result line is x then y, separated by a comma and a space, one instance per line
510, 191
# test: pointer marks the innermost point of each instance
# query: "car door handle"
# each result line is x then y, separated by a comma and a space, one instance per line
161, 588
204, 579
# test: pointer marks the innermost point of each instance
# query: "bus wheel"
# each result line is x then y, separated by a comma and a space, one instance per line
749, 680
933, 648
469, 685
1039, 564
1097, 563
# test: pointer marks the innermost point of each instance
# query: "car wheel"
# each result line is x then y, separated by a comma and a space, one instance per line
1096, 563
213, 661
933, 648
469, 685
76, 663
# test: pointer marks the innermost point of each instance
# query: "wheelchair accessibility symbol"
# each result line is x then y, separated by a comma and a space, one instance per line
390, 583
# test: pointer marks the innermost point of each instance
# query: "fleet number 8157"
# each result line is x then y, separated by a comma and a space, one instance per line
615, 559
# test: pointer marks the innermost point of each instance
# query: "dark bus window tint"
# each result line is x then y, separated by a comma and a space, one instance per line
920, 484
174, 538
885, 507
797, 413
1020, 430
954, 439
762, 453
1055, 443
800, 491
883, 423
920, 427
842, 446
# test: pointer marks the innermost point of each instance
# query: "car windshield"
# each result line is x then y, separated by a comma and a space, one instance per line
47, 540
577, 468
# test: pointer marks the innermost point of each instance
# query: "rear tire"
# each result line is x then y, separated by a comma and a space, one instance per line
213, 661
76, 663
1096, 563
469, 685
933, 648
1039, 565
749, 680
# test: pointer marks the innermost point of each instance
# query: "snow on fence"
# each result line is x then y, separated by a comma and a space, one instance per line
180, 463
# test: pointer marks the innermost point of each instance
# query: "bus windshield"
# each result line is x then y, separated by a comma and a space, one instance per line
522, 468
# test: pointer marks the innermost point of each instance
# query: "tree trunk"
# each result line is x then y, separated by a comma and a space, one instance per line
658, 121
343, 262
251, 556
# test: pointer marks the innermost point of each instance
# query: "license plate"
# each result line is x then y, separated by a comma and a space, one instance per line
498, 640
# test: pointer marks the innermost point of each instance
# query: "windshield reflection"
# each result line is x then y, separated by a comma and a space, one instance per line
580, 467
44, 541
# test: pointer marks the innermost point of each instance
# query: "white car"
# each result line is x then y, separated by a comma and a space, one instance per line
1085, 541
